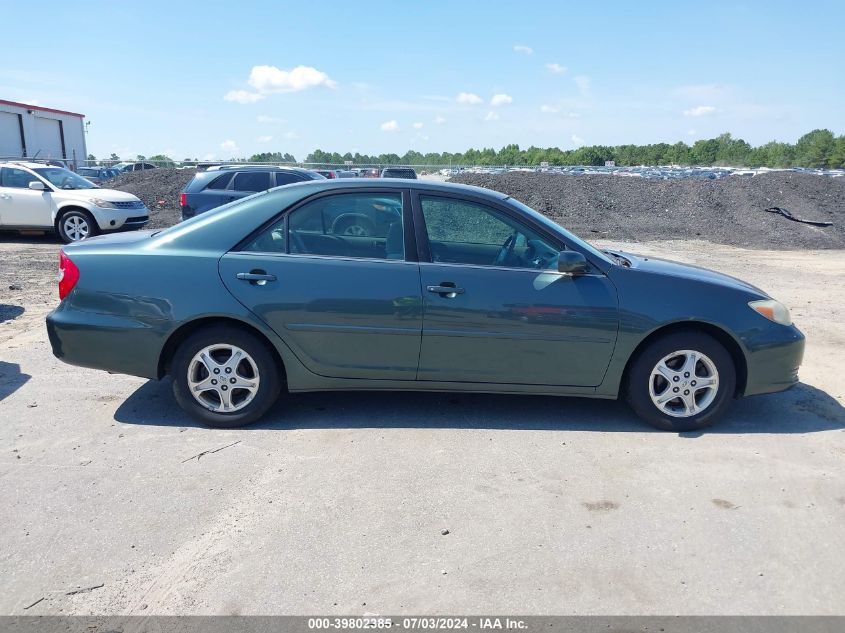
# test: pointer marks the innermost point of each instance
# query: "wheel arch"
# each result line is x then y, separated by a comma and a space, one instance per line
186, 329
72, 206
720, 334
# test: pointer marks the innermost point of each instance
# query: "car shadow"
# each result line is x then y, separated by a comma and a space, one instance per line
803, 409
10, 311
47, 237
11, 378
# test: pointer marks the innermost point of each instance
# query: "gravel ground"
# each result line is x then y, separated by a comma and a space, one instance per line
159, 189
726, 211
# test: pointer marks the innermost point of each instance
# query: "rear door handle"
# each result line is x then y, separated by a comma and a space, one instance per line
445, 290
255, 277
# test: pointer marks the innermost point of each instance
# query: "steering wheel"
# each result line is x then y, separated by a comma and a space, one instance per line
506, 250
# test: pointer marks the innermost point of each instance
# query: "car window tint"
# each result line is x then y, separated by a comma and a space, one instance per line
15, 178
463, 232
221, 182
286, 178
366, 225
252, 181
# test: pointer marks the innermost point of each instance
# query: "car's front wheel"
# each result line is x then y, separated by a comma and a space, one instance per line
681, 382
75, 225
225, 377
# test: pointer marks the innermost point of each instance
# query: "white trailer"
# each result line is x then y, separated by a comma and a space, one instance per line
36, 132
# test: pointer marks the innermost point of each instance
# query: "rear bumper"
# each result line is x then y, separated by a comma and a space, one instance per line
773, 364
118, 344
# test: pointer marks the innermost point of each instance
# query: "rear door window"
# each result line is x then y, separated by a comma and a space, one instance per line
252, 181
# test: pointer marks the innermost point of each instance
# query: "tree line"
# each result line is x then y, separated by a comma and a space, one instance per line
819, 148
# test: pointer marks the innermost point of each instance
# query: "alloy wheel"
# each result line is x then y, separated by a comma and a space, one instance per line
76, 227
683, 383
223, 378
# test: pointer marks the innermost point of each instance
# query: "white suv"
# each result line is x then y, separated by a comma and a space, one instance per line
39, 197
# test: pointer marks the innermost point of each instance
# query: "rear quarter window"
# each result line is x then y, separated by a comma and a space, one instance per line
221, 182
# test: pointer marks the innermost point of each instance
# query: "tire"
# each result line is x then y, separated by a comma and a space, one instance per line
257, 368
75, 225
646, 385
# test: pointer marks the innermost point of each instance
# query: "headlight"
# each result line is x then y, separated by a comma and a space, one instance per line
772, 310
103, 204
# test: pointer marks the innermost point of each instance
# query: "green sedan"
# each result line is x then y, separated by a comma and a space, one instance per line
459, 289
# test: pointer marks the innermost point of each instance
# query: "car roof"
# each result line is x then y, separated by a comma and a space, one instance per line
22, 163
214, 168
398, 183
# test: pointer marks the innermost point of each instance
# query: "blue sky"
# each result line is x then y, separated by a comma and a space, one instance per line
220, 79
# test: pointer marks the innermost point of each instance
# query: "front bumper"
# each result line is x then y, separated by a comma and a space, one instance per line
773, 360
121, 219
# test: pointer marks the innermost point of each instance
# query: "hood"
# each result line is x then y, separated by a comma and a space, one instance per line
657, 266
110, 195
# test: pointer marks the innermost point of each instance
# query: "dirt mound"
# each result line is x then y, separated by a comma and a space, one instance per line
159, 189
726, 211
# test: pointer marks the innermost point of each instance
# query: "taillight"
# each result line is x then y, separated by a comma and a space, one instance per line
183, 199
68, 275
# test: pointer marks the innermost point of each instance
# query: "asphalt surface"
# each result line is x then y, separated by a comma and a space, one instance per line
116, 503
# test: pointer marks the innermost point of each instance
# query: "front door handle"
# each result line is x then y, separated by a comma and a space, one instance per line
446, 289
256, 277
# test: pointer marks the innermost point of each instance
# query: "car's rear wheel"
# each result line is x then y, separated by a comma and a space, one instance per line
75, 225
225, 377
681, 382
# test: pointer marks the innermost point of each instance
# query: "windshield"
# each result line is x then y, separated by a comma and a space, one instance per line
63, 178
570, 238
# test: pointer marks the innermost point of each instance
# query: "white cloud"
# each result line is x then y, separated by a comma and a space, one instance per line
578, 140
583, 83
229, 146
390, 126
242, 96
549, 108
491, 116
555, 68
501, 99
264, 139
291, 135
418, 125
468, 98
702, 110
270, 79
439, 120
263, 118
521, 48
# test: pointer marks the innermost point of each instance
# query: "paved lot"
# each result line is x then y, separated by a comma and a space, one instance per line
336, 503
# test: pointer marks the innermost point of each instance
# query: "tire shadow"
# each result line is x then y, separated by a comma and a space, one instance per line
803, 409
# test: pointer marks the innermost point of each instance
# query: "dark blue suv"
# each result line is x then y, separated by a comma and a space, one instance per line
226, 183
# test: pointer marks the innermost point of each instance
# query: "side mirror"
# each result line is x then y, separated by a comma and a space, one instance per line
37, 185
571, 263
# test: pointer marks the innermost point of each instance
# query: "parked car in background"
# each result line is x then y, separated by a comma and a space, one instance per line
368, 172
124, 167
222, 184
34, 196
327, 173
468, 291
97, 175
398, 172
